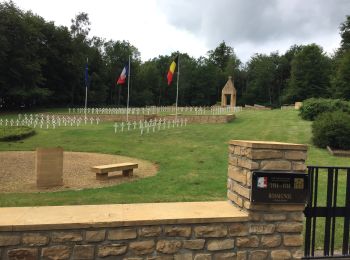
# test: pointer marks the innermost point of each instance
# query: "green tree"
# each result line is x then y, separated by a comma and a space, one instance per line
345, 35
310, 74
341, 81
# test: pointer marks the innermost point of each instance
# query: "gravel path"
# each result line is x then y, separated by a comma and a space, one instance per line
17, 171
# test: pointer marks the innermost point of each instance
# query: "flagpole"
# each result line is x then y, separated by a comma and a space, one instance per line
127, 103
86, 83
177, 85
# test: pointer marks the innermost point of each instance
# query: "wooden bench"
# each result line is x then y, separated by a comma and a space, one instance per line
103, 170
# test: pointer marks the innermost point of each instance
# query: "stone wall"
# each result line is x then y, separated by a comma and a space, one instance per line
275, 229
198, 119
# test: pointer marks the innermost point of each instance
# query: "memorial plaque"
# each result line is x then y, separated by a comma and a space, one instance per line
279, 187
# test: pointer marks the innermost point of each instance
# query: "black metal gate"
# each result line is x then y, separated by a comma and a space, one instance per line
327, 213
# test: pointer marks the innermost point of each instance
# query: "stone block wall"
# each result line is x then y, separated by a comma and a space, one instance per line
198, 119
216, 241
277, 229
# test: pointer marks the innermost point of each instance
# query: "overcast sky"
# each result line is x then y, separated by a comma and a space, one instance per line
159, 27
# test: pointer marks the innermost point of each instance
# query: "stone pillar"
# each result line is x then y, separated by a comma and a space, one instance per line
49, 167
275, 230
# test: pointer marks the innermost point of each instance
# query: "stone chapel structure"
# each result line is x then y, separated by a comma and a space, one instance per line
229, 94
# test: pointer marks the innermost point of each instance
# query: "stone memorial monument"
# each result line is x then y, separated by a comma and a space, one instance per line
228, 96
49, 167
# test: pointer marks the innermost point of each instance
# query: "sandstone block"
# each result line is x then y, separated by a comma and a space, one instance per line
261, 228
83, 252
235, 198
210, 231
59, 237
202, 257
121, 234
151, 231
237, 150
231, 149
241, 255
275, 217
281, 255
295, 155
296, 216
238, 229
23, 253
299, 166
142, 247
293, 240
9, 240
298, 254
290, 227
282, 165
56, 252
35, 239
194, 244
216, 245
258, 154
251, 241
187, 256
247, 164
177, 231
232, 160
111, 250
238, 174
243, 191
258, 255
271, 241
160, 257
225, 256
168, 246
249, 179
95, 236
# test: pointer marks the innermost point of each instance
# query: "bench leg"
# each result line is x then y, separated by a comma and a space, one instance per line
128, 173
101, 176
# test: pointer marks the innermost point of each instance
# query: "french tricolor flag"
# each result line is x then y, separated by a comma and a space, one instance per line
122, 78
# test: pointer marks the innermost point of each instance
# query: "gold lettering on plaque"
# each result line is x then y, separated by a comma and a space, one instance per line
299, 183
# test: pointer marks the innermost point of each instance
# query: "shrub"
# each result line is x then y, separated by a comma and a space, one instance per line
15, 133
313, 107
332, 129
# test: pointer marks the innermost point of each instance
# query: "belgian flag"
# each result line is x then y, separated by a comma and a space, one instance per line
172, 69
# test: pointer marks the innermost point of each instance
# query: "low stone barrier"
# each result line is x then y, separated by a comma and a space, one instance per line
198, 119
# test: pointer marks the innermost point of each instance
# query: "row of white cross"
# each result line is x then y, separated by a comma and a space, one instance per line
156, 110
151, 125
48, 121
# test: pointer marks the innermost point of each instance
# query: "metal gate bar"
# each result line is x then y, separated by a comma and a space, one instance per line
330, 212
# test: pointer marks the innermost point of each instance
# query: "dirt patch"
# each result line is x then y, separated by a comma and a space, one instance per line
17, 171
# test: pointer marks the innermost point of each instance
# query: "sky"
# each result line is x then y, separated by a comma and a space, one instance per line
160, 27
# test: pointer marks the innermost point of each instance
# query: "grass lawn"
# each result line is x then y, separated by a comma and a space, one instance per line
192, 160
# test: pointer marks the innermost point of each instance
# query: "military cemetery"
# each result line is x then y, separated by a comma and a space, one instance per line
183, 152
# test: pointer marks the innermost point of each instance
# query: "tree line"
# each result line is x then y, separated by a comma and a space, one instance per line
42, 64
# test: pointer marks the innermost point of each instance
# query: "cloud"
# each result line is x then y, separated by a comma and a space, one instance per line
256, 22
